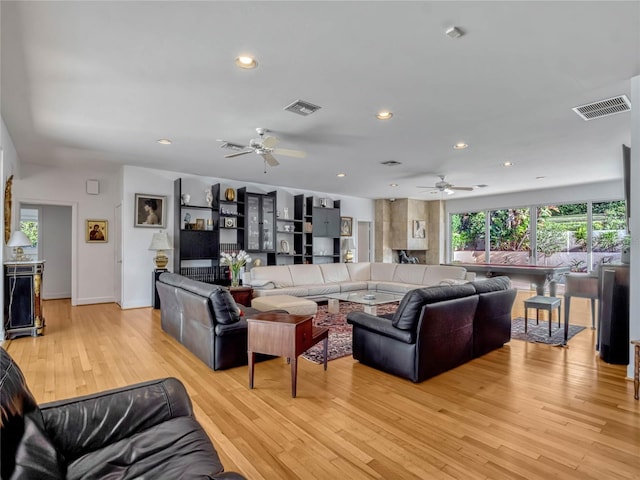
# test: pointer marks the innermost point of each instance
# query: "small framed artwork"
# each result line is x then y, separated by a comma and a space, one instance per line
97, 231
199, 223
229, 222
419, 228
150, 210
346, 226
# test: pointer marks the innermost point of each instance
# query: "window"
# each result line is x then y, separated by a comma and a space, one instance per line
29, 223
468, 237
562, 236
509, 236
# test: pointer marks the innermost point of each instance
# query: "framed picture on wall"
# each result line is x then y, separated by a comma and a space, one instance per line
150, 211
97, 231
346, 226
419, 228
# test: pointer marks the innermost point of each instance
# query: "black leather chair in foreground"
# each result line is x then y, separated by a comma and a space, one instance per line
143, 431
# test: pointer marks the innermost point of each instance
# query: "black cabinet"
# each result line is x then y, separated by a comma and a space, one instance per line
259, 221
22, 298
613, 321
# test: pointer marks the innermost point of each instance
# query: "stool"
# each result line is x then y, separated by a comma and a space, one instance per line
293, 305
636, 369
540, 302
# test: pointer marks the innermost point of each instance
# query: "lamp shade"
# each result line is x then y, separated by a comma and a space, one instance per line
19, 239
160, 241
348, 244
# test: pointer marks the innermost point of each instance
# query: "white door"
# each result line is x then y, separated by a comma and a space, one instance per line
117, 276
364, 242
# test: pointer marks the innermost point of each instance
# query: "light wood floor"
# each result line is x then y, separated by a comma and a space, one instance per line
527, 411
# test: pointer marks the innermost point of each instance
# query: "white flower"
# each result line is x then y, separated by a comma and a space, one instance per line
235, 260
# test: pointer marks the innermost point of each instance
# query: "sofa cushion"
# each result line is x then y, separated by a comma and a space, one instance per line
36, 456
293, 291
408, 312
359, 272
278, 274
353, 286
407, 273
393, 287
382, 271
225, 308
492, 284
323, 289
334, 272
167, 450
306, 275
435, 273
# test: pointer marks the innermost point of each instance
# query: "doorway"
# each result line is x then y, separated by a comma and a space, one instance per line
364, 242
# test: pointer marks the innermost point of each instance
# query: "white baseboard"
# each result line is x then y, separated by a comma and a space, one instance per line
91, 301
56, 296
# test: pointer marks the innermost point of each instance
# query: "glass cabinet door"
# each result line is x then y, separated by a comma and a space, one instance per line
268, 223
253, 223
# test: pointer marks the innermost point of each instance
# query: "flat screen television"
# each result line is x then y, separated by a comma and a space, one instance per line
626, 161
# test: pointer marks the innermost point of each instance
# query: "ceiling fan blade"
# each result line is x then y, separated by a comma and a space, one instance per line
270, 159
270, 142
290, 153
237, 154
466, 189
232, 146
427, 187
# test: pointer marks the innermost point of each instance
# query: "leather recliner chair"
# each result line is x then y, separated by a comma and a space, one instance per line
143, 431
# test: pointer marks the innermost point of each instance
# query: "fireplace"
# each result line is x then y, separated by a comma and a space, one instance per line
419, 255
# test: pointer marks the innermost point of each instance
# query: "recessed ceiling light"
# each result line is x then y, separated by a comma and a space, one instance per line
341, 175
393, 184
244, 61
165, 141
507, 164
460, 146
384, 115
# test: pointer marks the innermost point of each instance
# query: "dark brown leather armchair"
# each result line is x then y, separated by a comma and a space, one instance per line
143, 431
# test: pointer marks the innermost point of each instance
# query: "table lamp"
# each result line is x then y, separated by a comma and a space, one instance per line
348, 246
17, 241
160, 243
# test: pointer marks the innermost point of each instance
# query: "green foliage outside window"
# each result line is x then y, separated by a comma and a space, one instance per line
30, 229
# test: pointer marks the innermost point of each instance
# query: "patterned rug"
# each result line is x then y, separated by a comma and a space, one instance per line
339, 330
540, 333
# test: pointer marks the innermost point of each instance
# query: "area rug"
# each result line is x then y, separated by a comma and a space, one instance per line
339, 330
540, 333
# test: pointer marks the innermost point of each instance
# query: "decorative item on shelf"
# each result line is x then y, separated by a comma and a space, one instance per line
348, 246
324, 202
277, 213
160, 243
230, 222
230, 194
284, 246
346, 226
257, 262
186, 198
235, 262
285, 212
209, 224
187, 221
199, 223
308, 227
208, 196
96, 231
17, 241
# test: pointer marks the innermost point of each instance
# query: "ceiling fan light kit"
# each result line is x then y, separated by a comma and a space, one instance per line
263, 146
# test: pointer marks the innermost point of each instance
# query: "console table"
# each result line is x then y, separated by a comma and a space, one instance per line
22, 298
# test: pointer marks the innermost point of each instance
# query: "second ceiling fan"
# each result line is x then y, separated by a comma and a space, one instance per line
264, 146
445, 187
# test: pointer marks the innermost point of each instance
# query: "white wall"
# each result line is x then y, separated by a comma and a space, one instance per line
55, 237
92, 264
9, 165
634, 312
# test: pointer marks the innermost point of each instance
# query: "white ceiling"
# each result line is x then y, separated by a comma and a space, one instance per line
95, 82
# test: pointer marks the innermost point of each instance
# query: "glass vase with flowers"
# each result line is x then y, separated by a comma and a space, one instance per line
235, 261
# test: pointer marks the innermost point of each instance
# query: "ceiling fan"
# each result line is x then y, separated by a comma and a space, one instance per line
445, 187
264, 146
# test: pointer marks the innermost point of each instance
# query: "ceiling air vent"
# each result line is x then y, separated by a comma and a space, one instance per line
603, 108
391, 163
302, 108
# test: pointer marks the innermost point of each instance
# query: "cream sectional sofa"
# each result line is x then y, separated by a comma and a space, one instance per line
321, 279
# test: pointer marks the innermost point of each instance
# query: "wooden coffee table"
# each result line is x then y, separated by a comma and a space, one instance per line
283, 335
